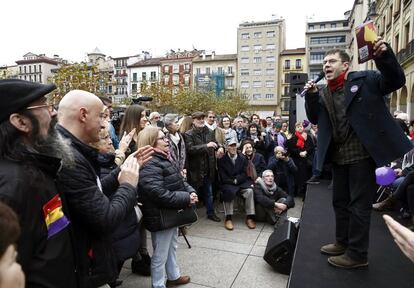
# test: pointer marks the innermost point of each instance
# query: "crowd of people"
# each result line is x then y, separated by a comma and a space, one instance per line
78, 195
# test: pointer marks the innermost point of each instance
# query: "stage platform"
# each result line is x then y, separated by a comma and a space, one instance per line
388, 267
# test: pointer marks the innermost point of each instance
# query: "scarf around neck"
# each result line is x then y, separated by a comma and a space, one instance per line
337, 82
267, 190
301, 141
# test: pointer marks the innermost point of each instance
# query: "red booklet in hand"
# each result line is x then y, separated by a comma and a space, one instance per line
365, 36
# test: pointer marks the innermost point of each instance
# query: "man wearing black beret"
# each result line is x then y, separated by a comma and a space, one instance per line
31, 155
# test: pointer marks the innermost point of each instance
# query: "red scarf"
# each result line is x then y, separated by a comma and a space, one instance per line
301, 140
337, 82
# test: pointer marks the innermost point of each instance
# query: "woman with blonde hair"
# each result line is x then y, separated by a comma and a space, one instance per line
186, 124
162, 186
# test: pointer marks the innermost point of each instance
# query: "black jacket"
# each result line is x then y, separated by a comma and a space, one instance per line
201, 159
94, 215
161, 185
366, 111
233, 178
268, 201
44, 251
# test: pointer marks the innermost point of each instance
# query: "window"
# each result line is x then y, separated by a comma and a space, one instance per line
166, 69
187, 67
208, 70
245, 35
257, 96
198, 71
144, 76
34, 68
257, 84
220, 70
327, 40
257, 47
270, 84
134, 88
40, 68
287, 64
298, 63
175, 79
270, 59
244, 72
20, 69
230, 69
257, 72
35, 77
316, 57
245, 48
333, 25
270, 71
187, 79
257, 60
322, 26
40, 78
270, 34
257, 35
176, 68
270, 47
153, 75
311, 27
245, 60
244, 84
134, 77
270, 96
229, 82
24, 70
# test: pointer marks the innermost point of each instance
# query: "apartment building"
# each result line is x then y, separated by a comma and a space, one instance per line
121, 76
105, 66
322, 36
177, 69
37, 68
216, 73
9, 72
142, 73
291, 61
258, 48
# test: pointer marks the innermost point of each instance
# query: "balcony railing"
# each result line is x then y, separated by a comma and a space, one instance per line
405, 54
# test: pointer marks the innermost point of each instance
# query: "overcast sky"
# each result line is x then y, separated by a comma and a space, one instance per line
73, 28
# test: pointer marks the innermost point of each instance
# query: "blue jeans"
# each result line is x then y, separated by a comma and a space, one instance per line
207, 191
164, 258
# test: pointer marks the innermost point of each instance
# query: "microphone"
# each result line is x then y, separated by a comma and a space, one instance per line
316, 80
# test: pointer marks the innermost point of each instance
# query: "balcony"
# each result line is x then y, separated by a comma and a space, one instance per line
229, 74
230, 88
405, 54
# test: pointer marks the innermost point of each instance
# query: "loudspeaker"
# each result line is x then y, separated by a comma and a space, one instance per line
292, 114
281, 246
296, 83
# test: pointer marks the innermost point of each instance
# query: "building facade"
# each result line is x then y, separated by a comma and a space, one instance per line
258, 48
9, 72
142, 73
216, 73
121, 76
322, 36
105, 66
177, 69
394, 21
37, 68
291, 61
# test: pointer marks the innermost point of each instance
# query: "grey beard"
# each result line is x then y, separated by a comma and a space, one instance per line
55, 145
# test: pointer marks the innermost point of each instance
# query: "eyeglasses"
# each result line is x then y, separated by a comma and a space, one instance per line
50, 107
165, 138
331, 61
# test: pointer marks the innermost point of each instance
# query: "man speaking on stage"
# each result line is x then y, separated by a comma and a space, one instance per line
356, 134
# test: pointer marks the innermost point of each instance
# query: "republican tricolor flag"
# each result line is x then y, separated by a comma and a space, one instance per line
55, 219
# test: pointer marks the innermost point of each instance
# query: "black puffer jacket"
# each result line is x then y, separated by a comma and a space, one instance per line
161, 186
94, 216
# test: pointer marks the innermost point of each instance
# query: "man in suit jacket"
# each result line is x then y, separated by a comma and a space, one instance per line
357, 133
232, 168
